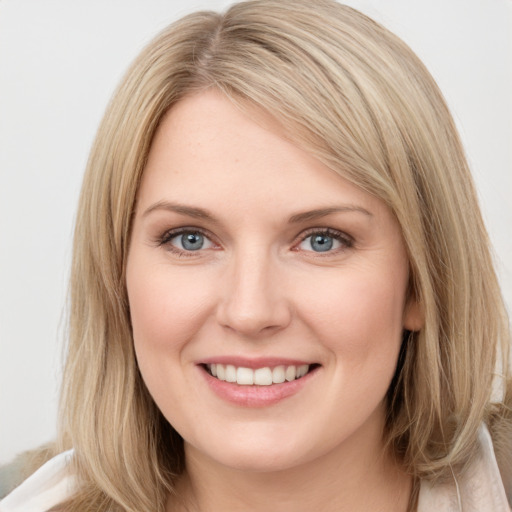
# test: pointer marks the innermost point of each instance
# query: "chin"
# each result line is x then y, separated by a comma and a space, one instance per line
250, 454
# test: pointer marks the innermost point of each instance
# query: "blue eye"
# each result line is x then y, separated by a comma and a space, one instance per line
189, 241
324, 241
192, 241
321, 243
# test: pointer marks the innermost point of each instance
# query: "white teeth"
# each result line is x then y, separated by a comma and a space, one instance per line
221, 372
244, 376
278, 375
265, 376
230, 373
290, 373
302, 370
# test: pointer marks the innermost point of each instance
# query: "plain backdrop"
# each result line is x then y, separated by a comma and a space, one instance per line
59, 63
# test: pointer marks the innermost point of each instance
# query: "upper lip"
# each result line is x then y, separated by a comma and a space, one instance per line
259, 362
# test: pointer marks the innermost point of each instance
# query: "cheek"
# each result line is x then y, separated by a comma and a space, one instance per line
166, 308
360, 316
166, 313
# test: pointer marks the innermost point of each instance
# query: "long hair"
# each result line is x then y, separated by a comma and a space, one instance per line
358, 99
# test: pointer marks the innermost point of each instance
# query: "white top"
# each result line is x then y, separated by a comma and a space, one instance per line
51, 484
481, 489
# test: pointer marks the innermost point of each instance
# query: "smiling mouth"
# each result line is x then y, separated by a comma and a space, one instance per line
265, 376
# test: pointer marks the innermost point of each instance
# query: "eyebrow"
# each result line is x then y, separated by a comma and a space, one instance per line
201, 213
324, 212
191, 211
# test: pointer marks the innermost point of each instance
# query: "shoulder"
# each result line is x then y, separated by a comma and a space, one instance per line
51, 484
480, 487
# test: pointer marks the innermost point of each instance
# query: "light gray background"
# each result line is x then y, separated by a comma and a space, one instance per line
59, 63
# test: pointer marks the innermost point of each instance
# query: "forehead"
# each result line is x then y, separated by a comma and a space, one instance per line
209, 150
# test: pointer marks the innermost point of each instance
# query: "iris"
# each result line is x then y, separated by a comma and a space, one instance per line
321, 242
192, 241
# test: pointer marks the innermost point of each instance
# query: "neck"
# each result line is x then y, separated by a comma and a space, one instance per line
354, 477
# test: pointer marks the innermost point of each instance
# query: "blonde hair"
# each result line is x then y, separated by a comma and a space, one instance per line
358, 99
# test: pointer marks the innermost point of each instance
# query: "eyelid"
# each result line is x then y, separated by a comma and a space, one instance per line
163, 239
344, 238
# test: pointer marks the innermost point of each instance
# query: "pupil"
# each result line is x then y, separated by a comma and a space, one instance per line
192, 241
321, 243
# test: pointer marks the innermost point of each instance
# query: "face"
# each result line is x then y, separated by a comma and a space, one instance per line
267, 293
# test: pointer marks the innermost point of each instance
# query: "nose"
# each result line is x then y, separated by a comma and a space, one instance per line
253, 302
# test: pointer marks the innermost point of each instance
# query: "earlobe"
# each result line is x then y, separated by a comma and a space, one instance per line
414, 316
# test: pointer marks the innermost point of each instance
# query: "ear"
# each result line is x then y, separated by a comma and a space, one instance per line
414, 316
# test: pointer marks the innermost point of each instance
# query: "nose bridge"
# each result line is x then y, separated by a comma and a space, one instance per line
253, 301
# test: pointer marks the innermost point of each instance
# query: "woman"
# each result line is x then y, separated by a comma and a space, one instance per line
282, 294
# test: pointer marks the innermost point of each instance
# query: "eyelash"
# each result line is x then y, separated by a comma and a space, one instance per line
167, 236
345, 240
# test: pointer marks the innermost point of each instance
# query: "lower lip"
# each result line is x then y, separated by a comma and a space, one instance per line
256, 396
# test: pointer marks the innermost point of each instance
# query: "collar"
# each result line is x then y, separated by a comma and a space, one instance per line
479, 489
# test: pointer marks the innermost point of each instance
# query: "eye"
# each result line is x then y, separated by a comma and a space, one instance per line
325, 241
186, 240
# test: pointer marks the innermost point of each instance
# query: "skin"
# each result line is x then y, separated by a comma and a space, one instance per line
258, 288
